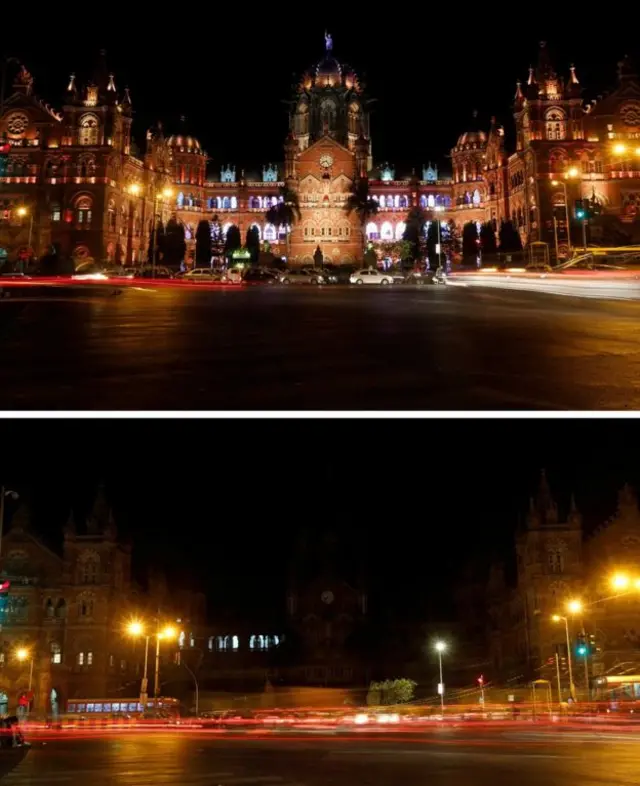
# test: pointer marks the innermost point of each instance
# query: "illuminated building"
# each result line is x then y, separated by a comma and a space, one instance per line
558, 562
86, 187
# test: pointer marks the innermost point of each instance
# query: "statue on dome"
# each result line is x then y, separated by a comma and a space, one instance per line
328, 41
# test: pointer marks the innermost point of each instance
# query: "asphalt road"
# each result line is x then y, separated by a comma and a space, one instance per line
431, 348
446, 759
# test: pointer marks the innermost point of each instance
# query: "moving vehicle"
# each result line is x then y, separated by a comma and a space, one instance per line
85, 709
302, 276
148, 271
371, 276
260, 276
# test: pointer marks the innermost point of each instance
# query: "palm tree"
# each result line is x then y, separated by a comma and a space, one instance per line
285, 213
362, 204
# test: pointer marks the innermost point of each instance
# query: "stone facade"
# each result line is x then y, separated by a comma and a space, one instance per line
85, 186
558, 562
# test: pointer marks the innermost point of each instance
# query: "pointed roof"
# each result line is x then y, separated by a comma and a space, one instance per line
100, 520
543, 508
21, 519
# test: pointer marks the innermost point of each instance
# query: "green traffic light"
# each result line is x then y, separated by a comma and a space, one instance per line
582, 650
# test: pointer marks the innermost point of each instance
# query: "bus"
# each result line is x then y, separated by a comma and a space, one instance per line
161, 708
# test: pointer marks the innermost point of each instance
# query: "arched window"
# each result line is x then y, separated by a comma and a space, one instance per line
210, 644
400, 228
477, 197
423, 201
89, 128
49, 608
235, 642
56, 652
234, 203
372, 231
181, 639
404, 201
61, 609
86, 605
222, 643
83, 212
431, 201
386, 233
226, 203
270, 233
556, 124
180, 200
56, 213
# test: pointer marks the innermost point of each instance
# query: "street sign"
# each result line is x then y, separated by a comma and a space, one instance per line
441, 689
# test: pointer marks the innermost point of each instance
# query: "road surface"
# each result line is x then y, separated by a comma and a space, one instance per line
447, 758
432, 348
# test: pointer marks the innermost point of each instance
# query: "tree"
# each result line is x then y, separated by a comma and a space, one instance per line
451, 240
510, 240
232, 241
363, 205
252, 244
470, 243
390, 692
175, 247
203, 244
488, 242
285, 213
371, 258
416, 222
218, 239
432, 242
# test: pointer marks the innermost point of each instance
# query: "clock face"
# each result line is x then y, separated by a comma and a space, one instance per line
326, 161
327, 597
17, 123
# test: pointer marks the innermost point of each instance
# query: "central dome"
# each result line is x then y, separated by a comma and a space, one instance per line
330, 67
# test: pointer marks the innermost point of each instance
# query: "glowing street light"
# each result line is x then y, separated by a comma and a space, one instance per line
563, 185
620, 581
167, 193
575, 606
23, 211
440, 647
136, 629
23, 654
620, 149
134, 189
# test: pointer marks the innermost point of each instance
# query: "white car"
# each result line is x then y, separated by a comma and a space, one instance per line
201, 274
371, 276
233, 276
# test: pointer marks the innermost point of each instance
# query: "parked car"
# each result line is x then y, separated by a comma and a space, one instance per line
257, 275
203, 274
302, 276
371, 276
233, 276
148, 271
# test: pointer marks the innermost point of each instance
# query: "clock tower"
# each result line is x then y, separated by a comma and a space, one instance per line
329, 126
327, 609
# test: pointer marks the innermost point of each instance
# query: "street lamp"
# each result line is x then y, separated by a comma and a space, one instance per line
22, 212
560, 618
136, 630
439, 209
572, 173
440, 647
577, 607
22, 655
620, 581
166, 194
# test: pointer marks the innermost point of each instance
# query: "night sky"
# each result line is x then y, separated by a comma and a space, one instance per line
218, 503
228, 73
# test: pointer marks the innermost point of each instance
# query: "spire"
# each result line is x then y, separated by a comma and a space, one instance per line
574, 78
70, 527
71, 87
127, 97
23, 82
111, 86
519, 94
531, 80
100, 72
21, 519
543, 509
100, 513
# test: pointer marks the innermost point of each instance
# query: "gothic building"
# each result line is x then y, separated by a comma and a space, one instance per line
82, 184
556, 561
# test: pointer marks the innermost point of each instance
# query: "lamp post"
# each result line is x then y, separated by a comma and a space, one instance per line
560, 618
22, 212
22, 655
136, 629
195, 682
167, 193
572, 173
439, 209
440, 648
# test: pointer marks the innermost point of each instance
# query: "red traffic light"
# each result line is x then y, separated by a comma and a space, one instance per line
5, 148
4, 587
481, 680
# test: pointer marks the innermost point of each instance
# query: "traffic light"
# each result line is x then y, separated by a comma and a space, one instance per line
4, 156
582, 646
580, 209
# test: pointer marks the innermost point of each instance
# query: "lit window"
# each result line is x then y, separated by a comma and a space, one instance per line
80, 659
83, 211
181, 639
56, 213
112, 660
56, 652
89, 658
235, 642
